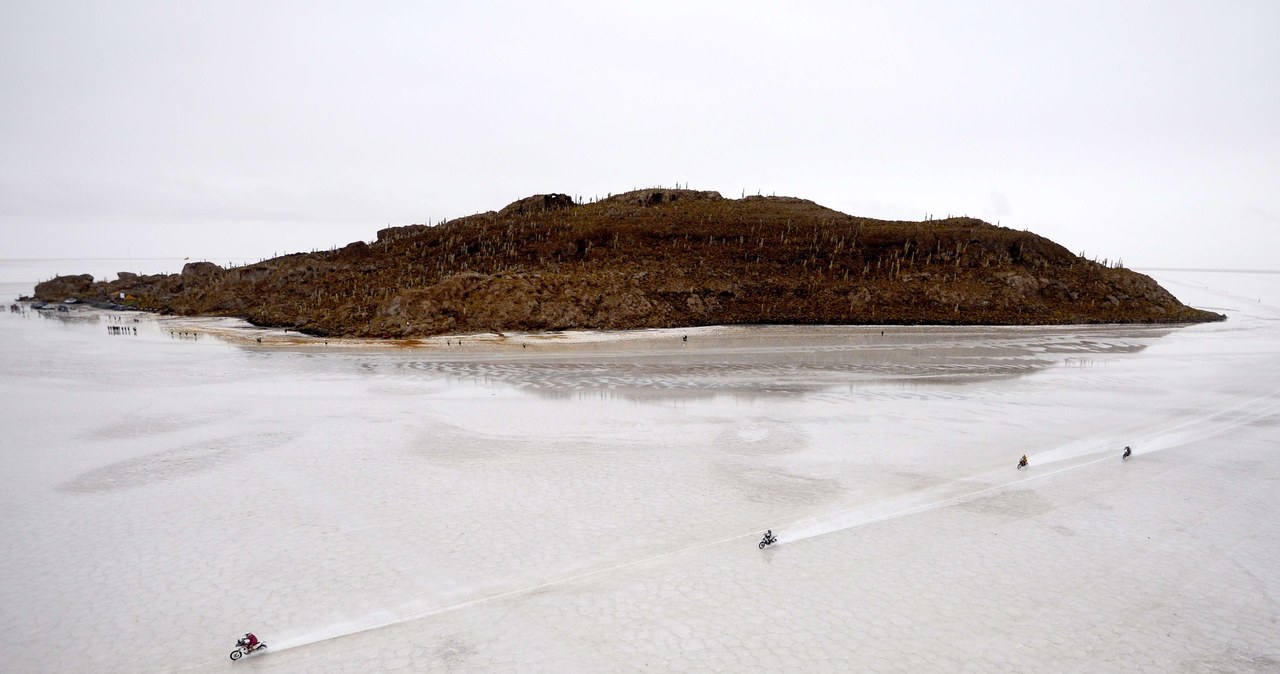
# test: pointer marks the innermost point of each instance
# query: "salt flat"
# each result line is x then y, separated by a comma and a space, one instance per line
593, 503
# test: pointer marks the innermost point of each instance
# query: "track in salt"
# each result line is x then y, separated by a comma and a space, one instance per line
1199, 428
408, 613
1078, 454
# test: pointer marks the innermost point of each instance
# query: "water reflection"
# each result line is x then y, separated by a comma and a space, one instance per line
776, 364
746, 363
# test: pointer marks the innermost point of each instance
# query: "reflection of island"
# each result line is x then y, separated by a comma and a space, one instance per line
656, 258
752, 362
65, 313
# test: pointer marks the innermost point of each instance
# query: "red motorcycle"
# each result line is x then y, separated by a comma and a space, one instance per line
243, 648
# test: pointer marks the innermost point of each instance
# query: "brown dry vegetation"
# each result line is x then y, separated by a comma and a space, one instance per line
657, 258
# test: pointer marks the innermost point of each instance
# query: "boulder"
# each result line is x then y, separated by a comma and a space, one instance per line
203, 271
62, 287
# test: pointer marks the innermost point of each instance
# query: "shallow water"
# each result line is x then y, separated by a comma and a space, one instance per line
595, 506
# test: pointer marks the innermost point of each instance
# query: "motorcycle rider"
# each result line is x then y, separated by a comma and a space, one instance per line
250, 641
1127, 452
1023, 461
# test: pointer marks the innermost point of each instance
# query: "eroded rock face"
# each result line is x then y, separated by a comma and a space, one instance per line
537, 203
391, 234
656, 258
658, 196
355, 251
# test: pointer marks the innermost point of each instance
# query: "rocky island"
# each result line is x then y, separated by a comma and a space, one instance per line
655, 258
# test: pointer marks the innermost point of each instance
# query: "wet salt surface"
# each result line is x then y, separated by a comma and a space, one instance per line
571, 503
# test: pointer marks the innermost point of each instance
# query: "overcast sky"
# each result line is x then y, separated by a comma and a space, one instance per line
1141, 131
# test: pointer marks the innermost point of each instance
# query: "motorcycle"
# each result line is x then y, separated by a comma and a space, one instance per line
1022, 463
769, 539
243, 649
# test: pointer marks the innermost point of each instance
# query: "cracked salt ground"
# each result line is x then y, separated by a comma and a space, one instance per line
596, 507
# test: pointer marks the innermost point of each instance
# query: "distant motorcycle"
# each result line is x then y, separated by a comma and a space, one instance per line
243, 649
1022, 463
1127, 453
769, 539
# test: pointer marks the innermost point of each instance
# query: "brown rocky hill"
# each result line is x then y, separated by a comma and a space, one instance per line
656, 258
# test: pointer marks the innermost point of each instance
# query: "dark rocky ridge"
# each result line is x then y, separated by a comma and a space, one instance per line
656, 258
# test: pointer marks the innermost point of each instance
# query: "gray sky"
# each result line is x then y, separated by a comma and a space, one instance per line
1144, 131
